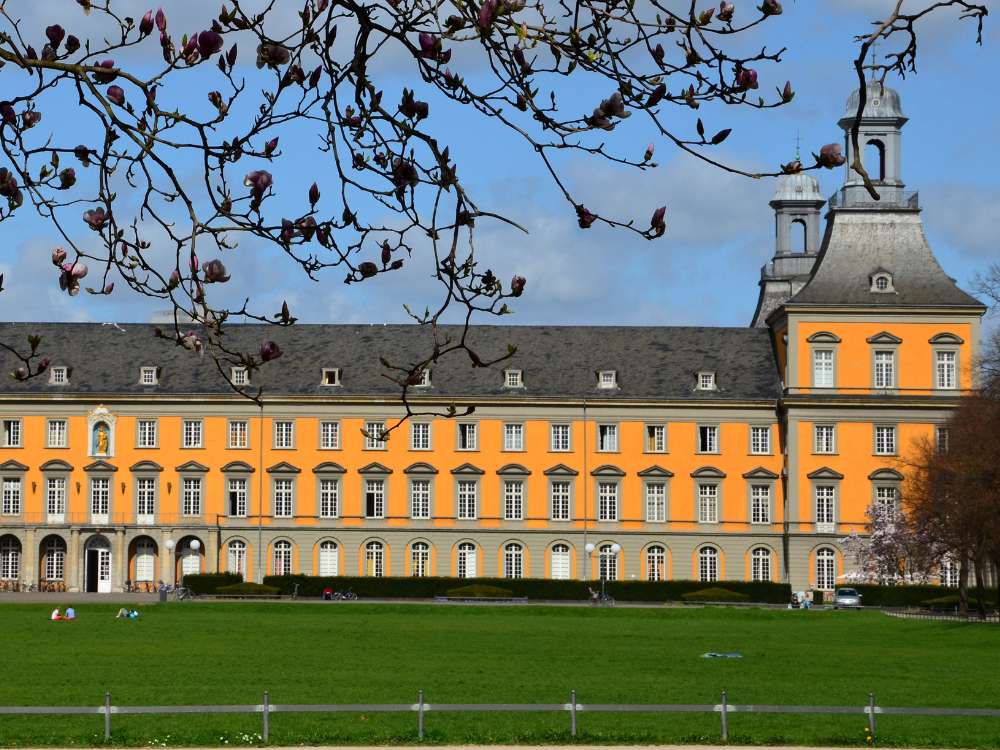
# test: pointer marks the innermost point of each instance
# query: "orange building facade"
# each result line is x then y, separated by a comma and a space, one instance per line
626, 453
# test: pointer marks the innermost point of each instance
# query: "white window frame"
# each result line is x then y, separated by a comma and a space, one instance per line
374, 431
145, 500
13, 496
824, 368
513, 379
55, 498
239, 376
420, 436
760, 446
945, 369
708, 496
466, 491
655, 438
192, 497
656, 562
825, 508
607, 500
283, 497
886, 495
374, 559
420, 559
329, 497
824, 439
942, 438
328, 559
329, 435
655, 501
238, 434
54, 437
148, 376
238, 491
330, 377
884, 369
374, 497
826, 569
760, 503
560, 562
886, 440
13, 433
513, 491
560, 499
607, 563
421, 497
706, 381
760, 564
607, 379
59, 375
607, 437
147, 432
513, 436
708, 564
283, 434
556, 442
513, 560
467, 436
236, 556
100, 500
283, 558
192, 433
467, 560
709, 439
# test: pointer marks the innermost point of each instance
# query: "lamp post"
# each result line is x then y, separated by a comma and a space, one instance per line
589, 548
170, 544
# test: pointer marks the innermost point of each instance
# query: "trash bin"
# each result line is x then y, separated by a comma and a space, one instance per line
163, 596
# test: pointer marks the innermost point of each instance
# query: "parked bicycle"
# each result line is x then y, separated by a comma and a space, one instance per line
600, 598
345, 596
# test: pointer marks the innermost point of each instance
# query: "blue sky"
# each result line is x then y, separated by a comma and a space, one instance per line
720, 228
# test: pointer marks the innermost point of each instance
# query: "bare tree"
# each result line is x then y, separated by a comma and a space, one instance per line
153, 186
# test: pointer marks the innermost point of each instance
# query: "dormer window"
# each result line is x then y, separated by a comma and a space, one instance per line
148, 376
882, 283
425, 379
59, 375
706, 381
331, 376
607, 379
239, 376
513, 379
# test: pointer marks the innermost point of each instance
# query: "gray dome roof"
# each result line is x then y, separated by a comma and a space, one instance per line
882, 102
797, 187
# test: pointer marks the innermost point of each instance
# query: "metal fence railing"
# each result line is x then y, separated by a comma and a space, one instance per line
724, 708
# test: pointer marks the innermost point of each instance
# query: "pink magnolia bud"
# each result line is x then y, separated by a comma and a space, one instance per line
105, 77
269, 350
517, 286
95, 218
209, 43
584, 217
258, 181
830, 156
270, 146
109, 287
726, 11
656, 223
117, 95
7, 113
30, 118
386, 253
72, 44
76, 270
175, 279
55, 35
161, 20
746, 78
770, 8
215, 272
146, 24
649, 153
43, 364
67, 178
367, 269
193, 262
58, 256
21, 373
487, 14
313, 194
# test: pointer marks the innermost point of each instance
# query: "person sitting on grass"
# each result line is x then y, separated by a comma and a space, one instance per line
122, 614
133, 614
55, 614
70, 614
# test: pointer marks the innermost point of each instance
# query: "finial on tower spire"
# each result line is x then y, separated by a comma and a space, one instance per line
798, 144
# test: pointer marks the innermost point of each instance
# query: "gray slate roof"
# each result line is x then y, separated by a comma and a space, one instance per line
558, 361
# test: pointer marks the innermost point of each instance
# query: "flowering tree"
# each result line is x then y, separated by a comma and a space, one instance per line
894, 551
175, 152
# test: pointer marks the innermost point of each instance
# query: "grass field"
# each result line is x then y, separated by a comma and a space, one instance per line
182, 653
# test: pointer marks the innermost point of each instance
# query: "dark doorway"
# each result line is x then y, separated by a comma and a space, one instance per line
92, 570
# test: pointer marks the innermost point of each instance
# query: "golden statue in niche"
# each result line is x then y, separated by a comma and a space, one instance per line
101, 441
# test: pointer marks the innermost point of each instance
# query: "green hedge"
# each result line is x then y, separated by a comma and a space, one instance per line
533, 588
479, 591
908, 596
257, 589
715, 595
207, 583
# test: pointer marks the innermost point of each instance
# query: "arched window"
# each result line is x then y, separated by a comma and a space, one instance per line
236, 557
145, 559
826, 569
513, 561
949, 571
375, 559
329, 560
607, 562
467, 560
708, 564
656, 563
875, 159
560, 562
190, 559
10, 558
760, 564
282, 558
420, 559
797, 242
55, 559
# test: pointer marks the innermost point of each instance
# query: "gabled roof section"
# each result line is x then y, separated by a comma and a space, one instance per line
420, 467
760, 473
708, 472
560, 470
514, 469
56, 464
825, 473
191, 466
884, 337
886, 475
607, 470
100, 466
283, 467
329, 467
656, 472
12, 465
467, 469
145, 466
375, 468
946, 337
238, 467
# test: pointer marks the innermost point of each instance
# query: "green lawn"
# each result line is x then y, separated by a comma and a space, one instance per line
229, 653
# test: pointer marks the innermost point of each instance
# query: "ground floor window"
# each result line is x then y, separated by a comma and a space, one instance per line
329, 561
282, 558
607, 563
236, 560
55, 559
560, 562
375, 559
760, 564
513, 561
10, 559
656, 563
145, 560
949, 572
420, 559
826, 569
708, 564
466, 560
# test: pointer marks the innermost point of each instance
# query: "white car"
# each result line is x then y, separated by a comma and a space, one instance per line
846, 599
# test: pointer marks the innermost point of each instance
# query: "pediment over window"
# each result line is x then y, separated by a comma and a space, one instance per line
760, 473
709, 472
656, 471
100, 466
191, 466
607, 470
946, 338
238, 467
824, 337
283, 467
884, 338
886, 475
375, 468
420, 467
514, 469
56, 465
467, 469
329, 467
560, 470
12, 465
825, 473
145, 466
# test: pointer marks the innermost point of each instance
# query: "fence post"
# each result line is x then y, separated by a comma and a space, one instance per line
107, 715
265, 735
572, 713
420, 714
871, 714
725, 717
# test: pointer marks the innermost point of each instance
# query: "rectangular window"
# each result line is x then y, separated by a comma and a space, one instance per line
885, 369
11, 496
239, 433
468, 438
512, 379
513, 436
238, 497
656, 438
59, 375
420, 498
283, 492
826, 497
708, 438
706, 381
284, 434
946, 370
468, 499
823, 368
420, 436
147, 375
824, 439
942, 438
559, 499
656, 502
330, 376
374, 498
885, 440
145, 499
145, 433
55, 498
374, 432
760, 503
12, 433
513, 500
760, 440
56, 433
191, 496
559, 437
329, 498
885, 497
100, 499
607, 438
329, 436
191, 434
607, 501
708, 503
240, 376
